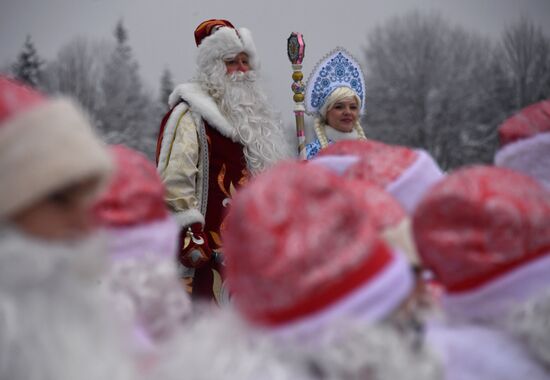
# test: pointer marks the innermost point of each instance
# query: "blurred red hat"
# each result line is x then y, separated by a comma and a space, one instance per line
479, 229
307, 245
135, 194
46, 144
405, 173
529, 122
525, 142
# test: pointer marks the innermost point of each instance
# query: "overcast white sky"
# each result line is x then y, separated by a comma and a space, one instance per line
161, 31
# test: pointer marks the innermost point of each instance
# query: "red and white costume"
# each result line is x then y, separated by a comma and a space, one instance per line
485, 233
142, 240
202, 155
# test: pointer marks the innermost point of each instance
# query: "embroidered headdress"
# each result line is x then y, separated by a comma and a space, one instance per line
337, 69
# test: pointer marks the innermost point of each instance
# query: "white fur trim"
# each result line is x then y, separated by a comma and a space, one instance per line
43, 150
472, 352
225, 43
337, 164
335, 135
249, 48
188, 217
498, 296
203, 105
159, 238
530, 156
413, 183
168, 135
373, 301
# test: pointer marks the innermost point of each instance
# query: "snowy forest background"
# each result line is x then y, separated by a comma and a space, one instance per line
429, 84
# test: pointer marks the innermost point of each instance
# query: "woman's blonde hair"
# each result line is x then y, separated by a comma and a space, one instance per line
337, 95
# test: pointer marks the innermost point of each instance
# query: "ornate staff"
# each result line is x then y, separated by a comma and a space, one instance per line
296, 50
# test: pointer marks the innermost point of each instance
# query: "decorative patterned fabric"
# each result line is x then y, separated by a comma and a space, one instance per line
201, 165
337, 69
479, 224
180, 170
332, 136
313, 148
307, 243
227, 172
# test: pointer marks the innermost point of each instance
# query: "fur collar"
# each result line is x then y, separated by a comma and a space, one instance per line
335, 135
203, 105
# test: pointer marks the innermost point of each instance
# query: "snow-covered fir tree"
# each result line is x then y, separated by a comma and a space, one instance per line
28, 67
166, 86
128, 115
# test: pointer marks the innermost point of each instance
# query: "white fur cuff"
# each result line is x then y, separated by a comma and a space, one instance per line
413, 183
188, 217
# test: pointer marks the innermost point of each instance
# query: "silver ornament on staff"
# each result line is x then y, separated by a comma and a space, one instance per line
296, 51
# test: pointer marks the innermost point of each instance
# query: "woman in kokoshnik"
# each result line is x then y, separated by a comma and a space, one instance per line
335, 96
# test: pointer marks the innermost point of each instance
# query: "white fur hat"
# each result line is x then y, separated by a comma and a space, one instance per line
45, 145
218, 40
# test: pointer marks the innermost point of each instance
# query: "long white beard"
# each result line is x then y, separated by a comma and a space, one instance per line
247, 109
353, 351
223, 347
54, 320
144, 282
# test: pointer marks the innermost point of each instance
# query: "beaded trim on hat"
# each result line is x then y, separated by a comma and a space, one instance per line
337, 69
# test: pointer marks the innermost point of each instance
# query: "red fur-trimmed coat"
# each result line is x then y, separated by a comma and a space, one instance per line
201, 162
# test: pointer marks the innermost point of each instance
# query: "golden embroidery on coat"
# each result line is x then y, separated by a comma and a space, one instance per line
173, 138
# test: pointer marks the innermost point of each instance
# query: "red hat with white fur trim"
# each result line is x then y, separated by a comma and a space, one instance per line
133, 211
405, 173
206, 28
219, 40
307, 252
485, 233
142, 241
45, 145
525, 142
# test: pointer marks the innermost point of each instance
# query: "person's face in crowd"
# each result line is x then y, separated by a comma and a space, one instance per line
343, 115
62, 215
239, 63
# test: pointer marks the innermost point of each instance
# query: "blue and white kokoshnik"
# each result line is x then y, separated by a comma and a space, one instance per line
337, 69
